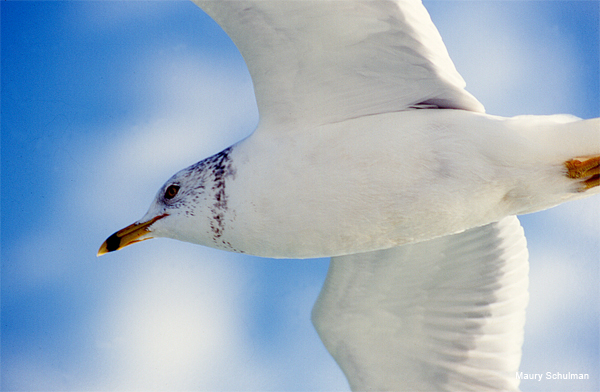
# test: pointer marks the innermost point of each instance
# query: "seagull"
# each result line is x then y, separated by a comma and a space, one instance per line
370, 151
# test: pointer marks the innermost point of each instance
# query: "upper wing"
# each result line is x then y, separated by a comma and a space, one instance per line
441, 315
317, 62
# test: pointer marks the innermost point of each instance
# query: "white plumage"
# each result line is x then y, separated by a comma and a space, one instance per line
368, 142
445, 314
340, 59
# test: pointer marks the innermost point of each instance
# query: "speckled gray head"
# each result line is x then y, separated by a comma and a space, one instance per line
202, 184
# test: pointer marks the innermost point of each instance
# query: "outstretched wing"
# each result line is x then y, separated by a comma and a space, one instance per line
317, 62
441, 315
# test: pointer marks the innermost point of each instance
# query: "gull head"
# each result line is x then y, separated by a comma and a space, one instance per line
190, 207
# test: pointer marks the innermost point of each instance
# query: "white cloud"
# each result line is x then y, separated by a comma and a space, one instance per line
174, 321
502, 50
182, 124
108, 17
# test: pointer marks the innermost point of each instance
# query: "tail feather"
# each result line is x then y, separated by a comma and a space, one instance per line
563, 164
584, 165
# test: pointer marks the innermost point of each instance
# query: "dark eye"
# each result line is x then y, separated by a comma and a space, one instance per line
171, 191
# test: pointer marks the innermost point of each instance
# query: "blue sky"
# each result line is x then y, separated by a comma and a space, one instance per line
103, 101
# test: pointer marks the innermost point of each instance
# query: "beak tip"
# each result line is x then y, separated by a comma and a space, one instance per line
101, 251
112, 243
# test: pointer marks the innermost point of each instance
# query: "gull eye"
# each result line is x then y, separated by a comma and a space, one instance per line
171, 191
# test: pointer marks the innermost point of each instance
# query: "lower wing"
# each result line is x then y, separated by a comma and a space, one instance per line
440, 315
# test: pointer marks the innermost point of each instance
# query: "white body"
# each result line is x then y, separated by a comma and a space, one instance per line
419, 174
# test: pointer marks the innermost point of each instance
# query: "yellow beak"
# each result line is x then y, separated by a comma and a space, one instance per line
129, 235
